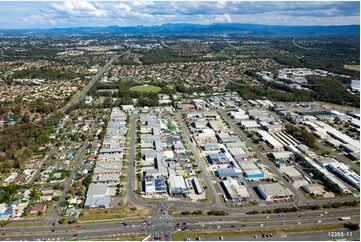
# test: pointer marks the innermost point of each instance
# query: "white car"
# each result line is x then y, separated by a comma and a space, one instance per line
261, 225
319, 221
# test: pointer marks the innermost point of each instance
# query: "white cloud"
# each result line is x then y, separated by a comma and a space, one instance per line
36, 18
78, 9
123, 7
225, 18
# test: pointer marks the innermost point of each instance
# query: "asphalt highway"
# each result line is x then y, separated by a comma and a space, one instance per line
205, 219
169, 225
83, 93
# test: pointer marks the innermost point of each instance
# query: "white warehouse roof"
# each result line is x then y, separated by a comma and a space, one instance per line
268, 138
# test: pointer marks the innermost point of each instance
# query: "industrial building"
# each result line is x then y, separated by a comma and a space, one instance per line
249, 124
218, 158
326, 174
154, 186
272, 192
314, 189
225, 138
250, 170
197, 186
282, 156
270, 141
210, 147
236, 151
177, 185
296, 176
272, 128
306, 150
239, 114
108, 163
231, 171
345, 173
218, 125
233, 189
98, 196
285, 139
326, 132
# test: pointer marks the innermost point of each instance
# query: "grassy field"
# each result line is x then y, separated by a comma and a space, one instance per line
129, 237
124, 212
25, 224
352, 67
172, 210
149, 88
178, 236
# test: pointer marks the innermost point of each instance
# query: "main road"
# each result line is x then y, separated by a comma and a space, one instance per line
170, 225
83, 93
216, 202
54, 217
131, 184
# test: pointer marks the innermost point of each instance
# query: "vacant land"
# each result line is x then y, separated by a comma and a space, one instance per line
25, 224
149, 88
124, 212
178, 236
353, 67
127, 237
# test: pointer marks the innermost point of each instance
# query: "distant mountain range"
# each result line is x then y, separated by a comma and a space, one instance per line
229, 28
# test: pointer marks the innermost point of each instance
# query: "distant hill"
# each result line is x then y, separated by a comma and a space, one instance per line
235, 28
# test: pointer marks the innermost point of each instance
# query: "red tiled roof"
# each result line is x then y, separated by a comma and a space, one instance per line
38, 208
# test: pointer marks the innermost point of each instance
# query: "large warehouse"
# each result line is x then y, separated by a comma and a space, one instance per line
233, 189
271, 142
177, 185
228, 172
218, 158
250, 170
272, 191
344, 172
197, 186
282, 155
155, 186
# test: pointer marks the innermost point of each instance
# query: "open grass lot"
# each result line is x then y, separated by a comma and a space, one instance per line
25, 224
129, 237
124, 212
179, 236
149, 88
353, 67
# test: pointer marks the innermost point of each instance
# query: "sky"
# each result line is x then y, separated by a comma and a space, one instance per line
48, 14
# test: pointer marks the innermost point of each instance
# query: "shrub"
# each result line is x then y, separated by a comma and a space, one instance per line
352, 226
